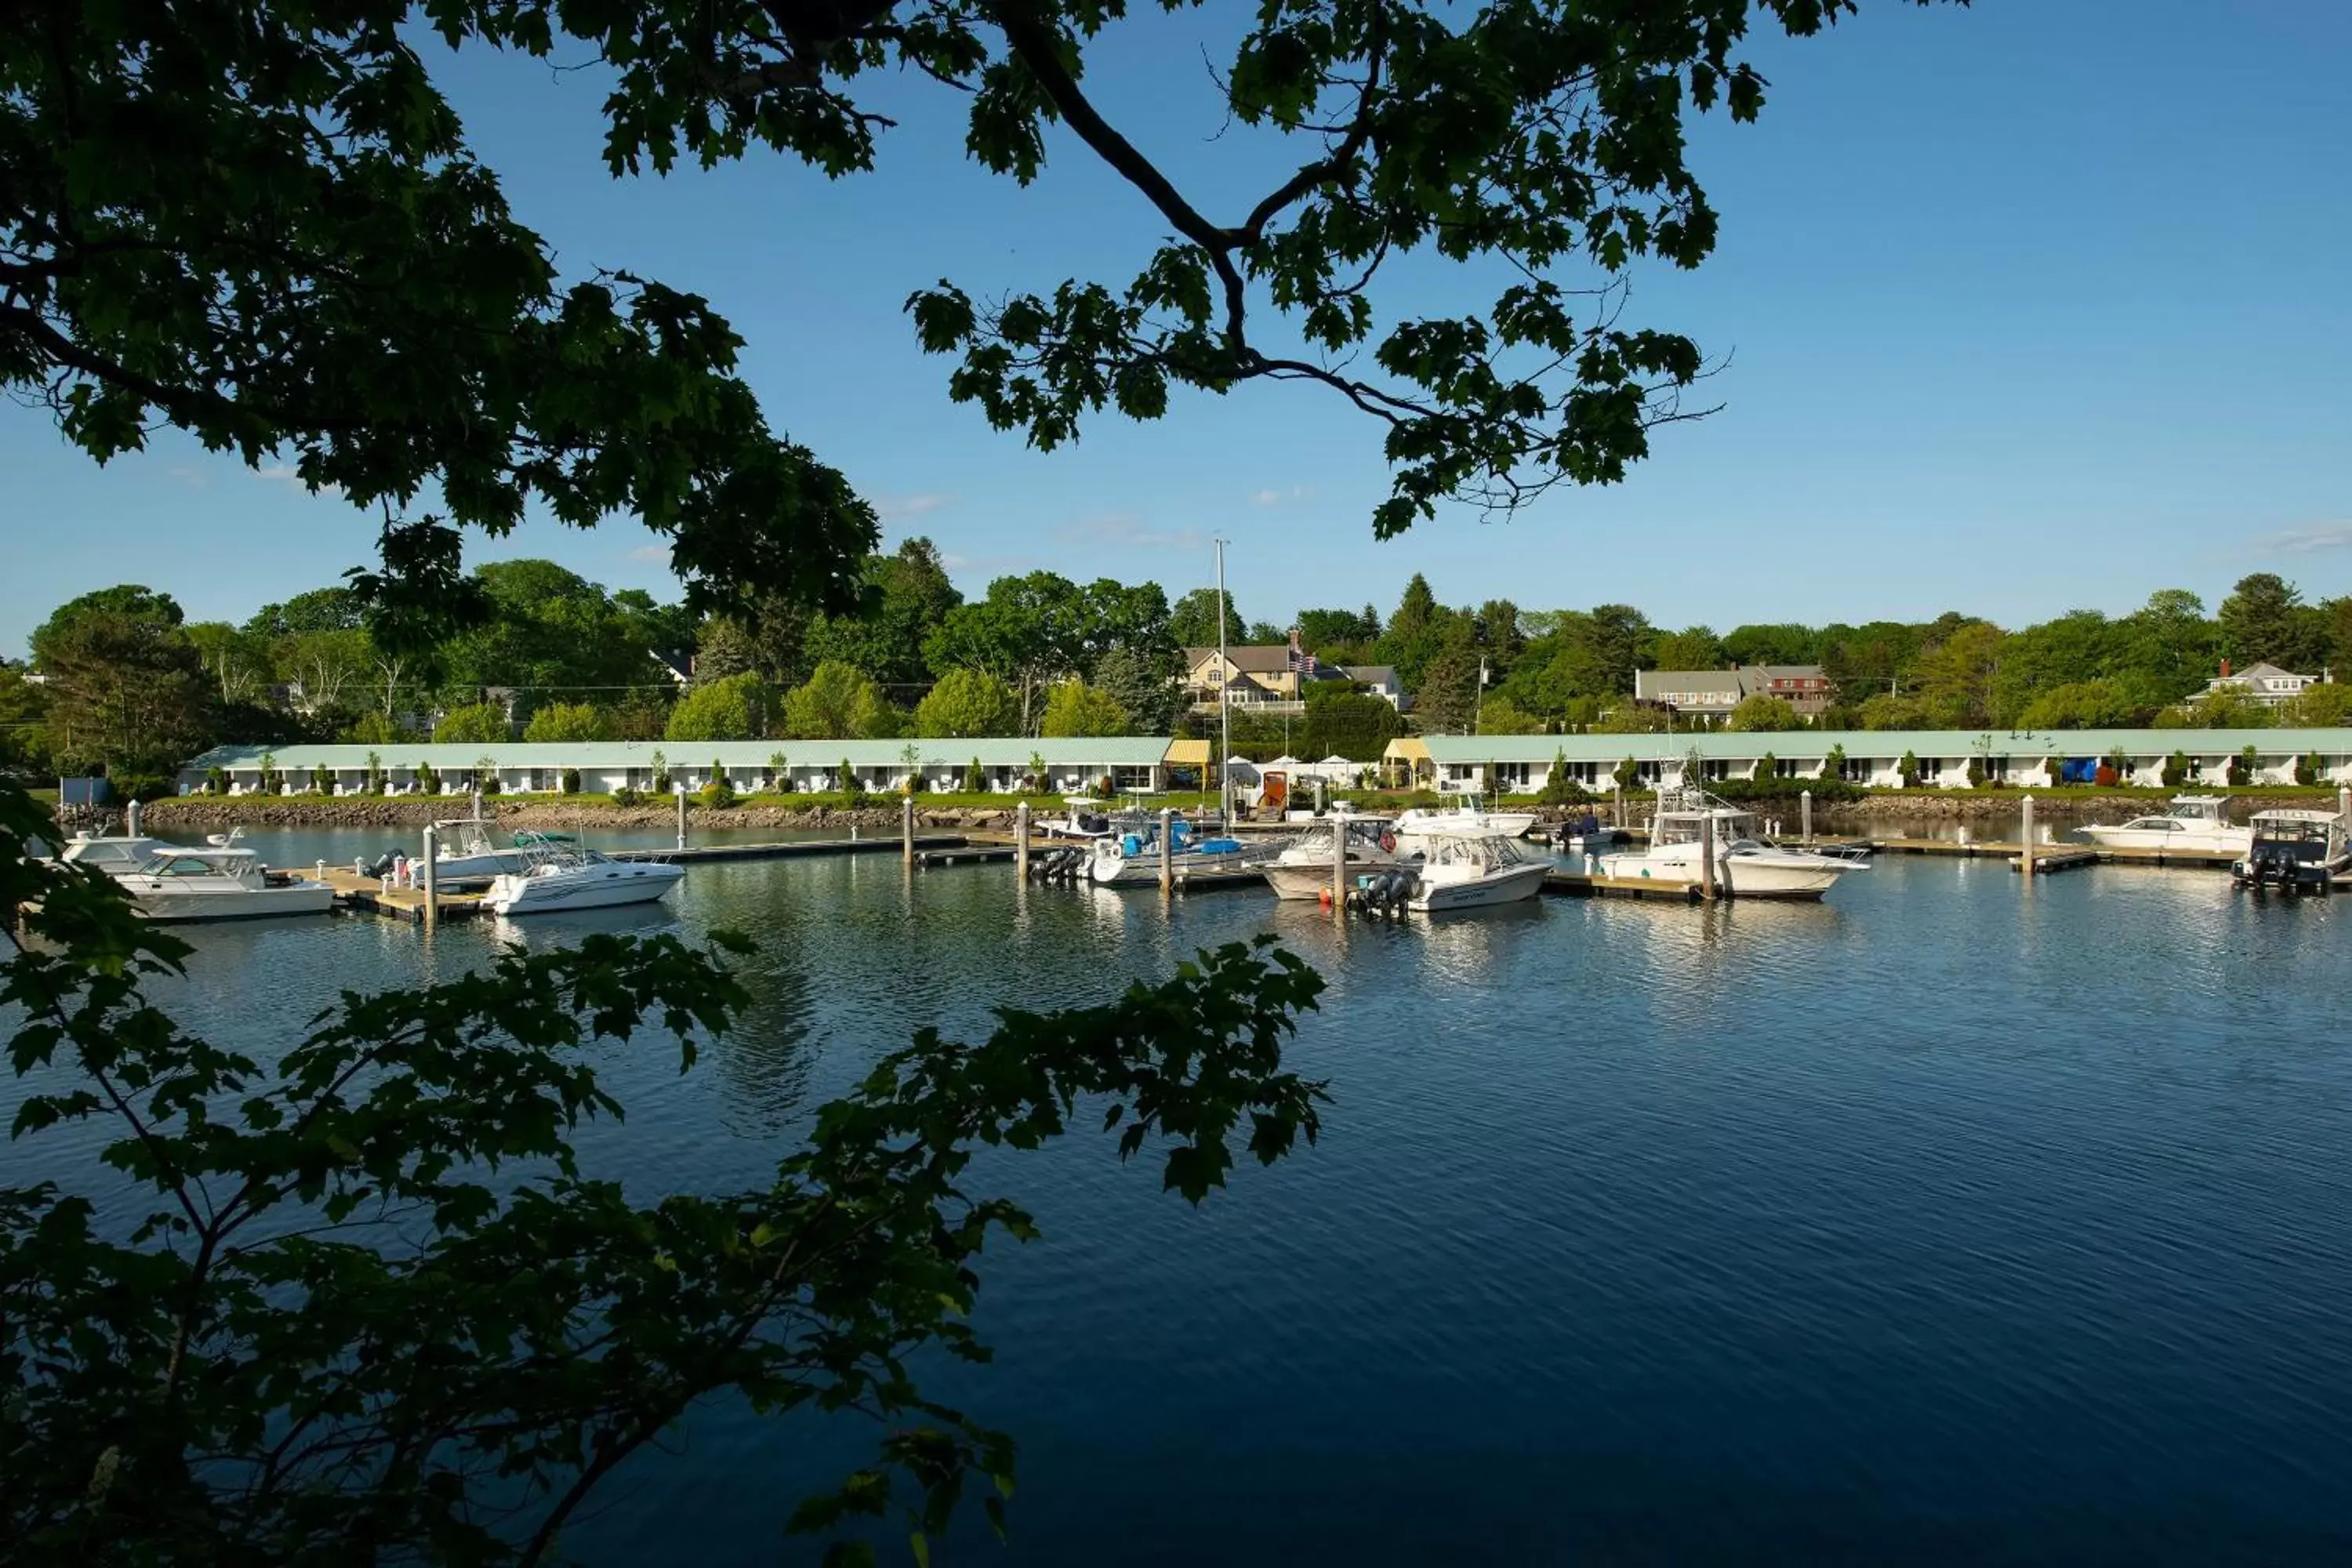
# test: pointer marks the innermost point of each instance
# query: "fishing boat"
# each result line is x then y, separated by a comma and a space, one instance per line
562, 875
2296, 851
1468, 817
2191, 822
1456, 871
1746, 866
1131, 858
1302, 870
116, 854
220, 881
468, 854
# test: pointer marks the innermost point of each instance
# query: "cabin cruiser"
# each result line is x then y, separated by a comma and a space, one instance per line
1131, 857
1456, 871
560, 874
2295, 851
220, 882
2191, 822
467, 854
1303, 868
1469, 816
1746, 866
116, 854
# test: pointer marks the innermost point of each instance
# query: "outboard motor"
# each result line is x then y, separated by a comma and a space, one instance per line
381, 866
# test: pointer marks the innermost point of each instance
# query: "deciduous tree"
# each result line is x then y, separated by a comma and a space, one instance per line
734, 708
1074, 707
837, 703
966, 704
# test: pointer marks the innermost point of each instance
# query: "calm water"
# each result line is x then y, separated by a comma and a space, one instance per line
1948, 1221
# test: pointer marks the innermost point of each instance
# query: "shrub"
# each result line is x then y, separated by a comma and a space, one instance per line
718, 794
661, 775
376, 775
1833, 765
2306, 769
137, 785
2241, 771
1976, 773
975, 778
568, 780
322, 780
216, 781
1776, 788
1628, 774
486, 775
780, 776
1427, 799
2176, 770
1108, 786
1910, 770
2056, 767
627, 794
1558, 788
427, 780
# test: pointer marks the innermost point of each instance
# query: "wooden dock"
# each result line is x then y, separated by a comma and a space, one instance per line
1583, 885
368, 895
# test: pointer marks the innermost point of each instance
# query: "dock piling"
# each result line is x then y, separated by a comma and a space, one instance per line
1021, 841
2343, 802
1167, 852
1706, 888
131, 815
1338, 867
1805, 814
2025, 837
906, 830
681, 816
431, 875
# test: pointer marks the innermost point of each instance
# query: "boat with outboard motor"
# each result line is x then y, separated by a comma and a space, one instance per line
467, 854
1747, 864
116, 854
2295, 851
2191, 822
560, 874
1131, 858
1455, 871
1302, 870
220, 881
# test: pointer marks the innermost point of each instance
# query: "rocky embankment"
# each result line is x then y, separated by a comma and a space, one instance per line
213, 814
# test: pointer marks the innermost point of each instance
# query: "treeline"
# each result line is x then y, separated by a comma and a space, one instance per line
1573, 669
119, 678
120, 681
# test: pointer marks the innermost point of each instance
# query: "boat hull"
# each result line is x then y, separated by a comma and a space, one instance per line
1506, 887
1143, 870
2224, 840
1738, 876
181, 905
602, 886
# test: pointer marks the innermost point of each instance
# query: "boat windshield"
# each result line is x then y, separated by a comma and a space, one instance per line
1486, 853
1684, 828
2290, 830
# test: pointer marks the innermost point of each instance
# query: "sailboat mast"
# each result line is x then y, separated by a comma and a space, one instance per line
1225, 715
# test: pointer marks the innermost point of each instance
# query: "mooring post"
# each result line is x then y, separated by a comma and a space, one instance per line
1167, 852
1338, 865
1617, 812
2343, 802
906, 830
681, 816
1021, 841
2025, 833
431, 875
131, 815
1706, 888
1805, 814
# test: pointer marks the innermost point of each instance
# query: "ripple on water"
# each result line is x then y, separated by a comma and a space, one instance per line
1951, 1220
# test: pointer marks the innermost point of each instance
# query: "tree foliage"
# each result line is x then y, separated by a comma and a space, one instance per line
968, 703
476, 723
837, 703
328, 1295
1074, 707
567, 721
1763, 711
733, 709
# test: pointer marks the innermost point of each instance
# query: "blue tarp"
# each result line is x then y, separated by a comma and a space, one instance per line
2079, 770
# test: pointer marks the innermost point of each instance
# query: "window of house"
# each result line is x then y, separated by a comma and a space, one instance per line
1511, 775
1649, 773
1712, 769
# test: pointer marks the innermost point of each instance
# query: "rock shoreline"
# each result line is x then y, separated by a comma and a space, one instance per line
216, 814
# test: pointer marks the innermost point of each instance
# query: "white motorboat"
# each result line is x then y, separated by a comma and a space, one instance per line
1468, 817
1131, 858
468, 854
1461, 872
116, 854
220, 882
2191, 822
1303, 868
562, 875
1746, 866
2295, 851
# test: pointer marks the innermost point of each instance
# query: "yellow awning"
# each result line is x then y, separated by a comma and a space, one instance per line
1187, 754
1406, 749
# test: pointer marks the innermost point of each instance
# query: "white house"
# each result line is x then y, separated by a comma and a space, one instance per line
2265, 683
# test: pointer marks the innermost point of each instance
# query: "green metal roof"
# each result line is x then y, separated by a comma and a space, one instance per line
1113, 751
1787, 744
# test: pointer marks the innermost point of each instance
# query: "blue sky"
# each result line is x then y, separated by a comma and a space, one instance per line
2040, 304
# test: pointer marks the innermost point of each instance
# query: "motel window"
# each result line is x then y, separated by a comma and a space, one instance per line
1712, 769
1511, 775
1648, 772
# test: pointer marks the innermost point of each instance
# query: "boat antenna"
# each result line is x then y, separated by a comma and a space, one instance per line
1225, 688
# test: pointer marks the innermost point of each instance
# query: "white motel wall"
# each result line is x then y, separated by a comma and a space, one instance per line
1523, 763
524, 768
1454, 764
